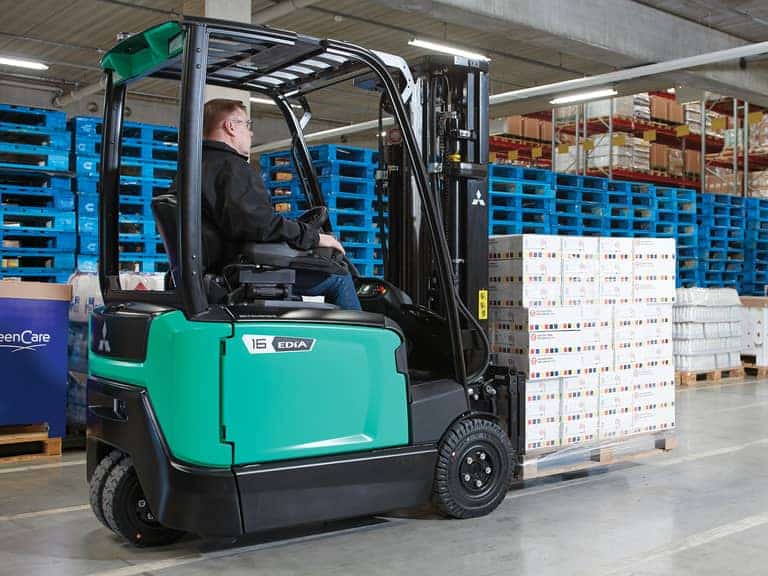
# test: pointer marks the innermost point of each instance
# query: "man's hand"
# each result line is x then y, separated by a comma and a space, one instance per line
328, 241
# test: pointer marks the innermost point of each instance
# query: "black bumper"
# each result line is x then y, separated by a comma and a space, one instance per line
201, 500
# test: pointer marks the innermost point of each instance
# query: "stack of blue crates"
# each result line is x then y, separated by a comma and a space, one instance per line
721, 219
149, 155
37, 218
755, 247
676, 218
522, 200
581, 207
346, 177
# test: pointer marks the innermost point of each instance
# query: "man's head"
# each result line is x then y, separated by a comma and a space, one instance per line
227, 121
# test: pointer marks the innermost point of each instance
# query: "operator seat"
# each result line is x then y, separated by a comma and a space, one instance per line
276, 262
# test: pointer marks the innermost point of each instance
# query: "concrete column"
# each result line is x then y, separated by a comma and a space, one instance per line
235, 11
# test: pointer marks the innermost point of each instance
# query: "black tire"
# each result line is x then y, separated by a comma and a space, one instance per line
98, 479
474, 469
126, 510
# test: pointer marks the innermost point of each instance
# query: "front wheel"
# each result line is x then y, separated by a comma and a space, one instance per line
474, 469
127, 512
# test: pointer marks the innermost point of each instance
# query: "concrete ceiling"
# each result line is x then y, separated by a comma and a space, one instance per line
71, 35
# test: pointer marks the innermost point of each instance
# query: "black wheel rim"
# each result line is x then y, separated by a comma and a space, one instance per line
479, 469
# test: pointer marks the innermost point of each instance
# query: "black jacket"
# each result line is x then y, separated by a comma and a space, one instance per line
237, 208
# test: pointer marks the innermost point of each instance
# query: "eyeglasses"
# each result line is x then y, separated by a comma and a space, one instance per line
246, 122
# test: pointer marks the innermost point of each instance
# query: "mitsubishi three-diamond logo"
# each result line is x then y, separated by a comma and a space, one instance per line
478, 200
104, 343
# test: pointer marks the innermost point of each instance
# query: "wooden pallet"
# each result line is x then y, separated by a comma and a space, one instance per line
536, 466
751, 367
707, 377
24, 443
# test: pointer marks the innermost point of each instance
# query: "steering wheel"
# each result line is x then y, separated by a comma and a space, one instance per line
314, 217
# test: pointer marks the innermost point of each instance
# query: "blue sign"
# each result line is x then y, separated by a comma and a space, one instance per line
33, 363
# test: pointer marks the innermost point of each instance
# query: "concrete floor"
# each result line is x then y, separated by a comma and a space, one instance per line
701, 509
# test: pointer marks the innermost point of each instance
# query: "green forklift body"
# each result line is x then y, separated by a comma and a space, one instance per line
231, 394
295, 390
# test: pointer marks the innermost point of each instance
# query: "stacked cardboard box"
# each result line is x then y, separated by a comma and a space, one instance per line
758, 184
524, 127
758, 135
628, 152
693, 118
754, 321
589, 321
707, 329
721, 181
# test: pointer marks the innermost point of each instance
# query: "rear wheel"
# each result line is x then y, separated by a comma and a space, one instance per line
474, 469
98, 479
127, 512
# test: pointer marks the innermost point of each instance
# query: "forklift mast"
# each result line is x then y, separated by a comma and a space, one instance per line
449, 115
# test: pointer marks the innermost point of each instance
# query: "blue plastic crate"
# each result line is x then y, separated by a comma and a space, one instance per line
33, 218
503, 216
130, 148
327, 168
326, 152
354, 236
133, 167
33, 179
509, 186
33, 158
52, 119
575, 180
37, 275
129, 186
58, 199
502, 227
513, 172
43, 260
128, 224
92, 126
128, 243
88, 205
30, 237
331, 185
130, 262
35, 136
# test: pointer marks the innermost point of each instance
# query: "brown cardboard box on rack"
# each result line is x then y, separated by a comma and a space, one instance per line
659, 108
692, 162
675, 162
545, 130
659, 157
531, 128
514, 126
675, 112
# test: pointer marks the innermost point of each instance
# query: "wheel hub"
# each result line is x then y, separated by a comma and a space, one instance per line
477, 469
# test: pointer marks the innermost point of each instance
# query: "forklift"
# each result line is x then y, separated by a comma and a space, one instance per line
226, 405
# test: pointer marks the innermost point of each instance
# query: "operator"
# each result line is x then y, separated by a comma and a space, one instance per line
239, 207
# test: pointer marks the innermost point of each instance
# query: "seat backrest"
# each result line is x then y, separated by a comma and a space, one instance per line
165, 213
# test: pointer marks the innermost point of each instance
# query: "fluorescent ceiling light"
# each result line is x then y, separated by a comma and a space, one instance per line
446, 49
604, 93
268, 101
19, 63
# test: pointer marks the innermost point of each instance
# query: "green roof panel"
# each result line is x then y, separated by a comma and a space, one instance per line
144, 53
